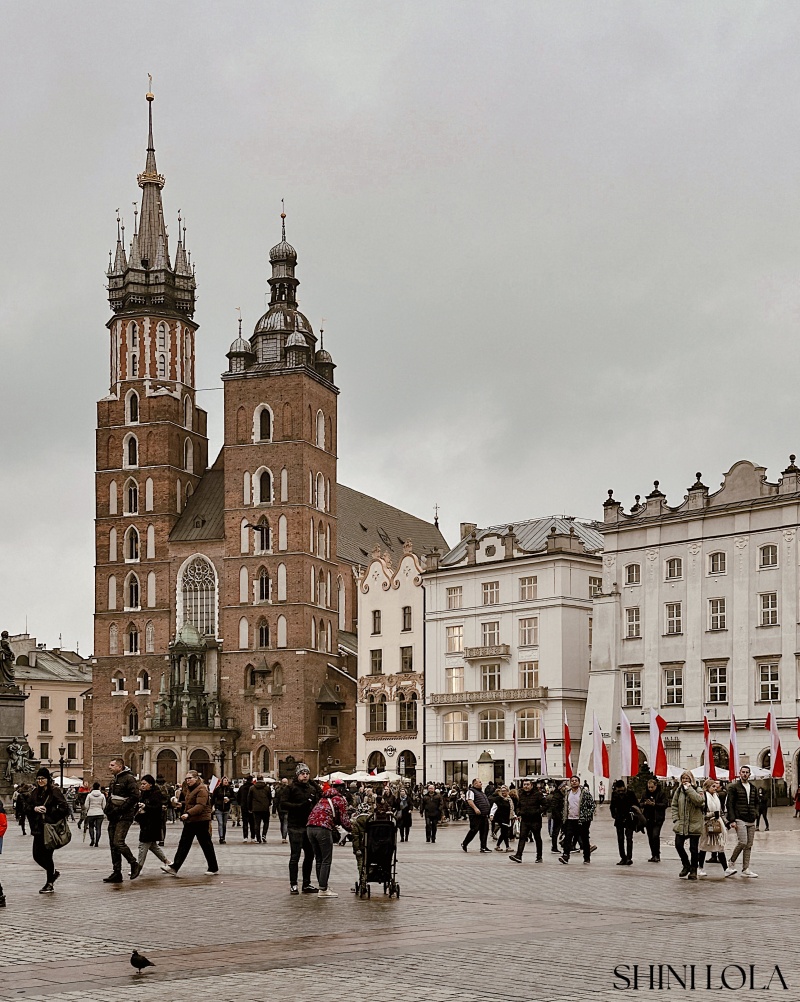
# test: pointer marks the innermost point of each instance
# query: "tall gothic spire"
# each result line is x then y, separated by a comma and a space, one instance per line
153, 246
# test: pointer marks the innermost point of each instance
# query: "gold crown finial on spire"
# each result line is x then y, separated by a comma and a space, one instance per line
283, 220
150, 95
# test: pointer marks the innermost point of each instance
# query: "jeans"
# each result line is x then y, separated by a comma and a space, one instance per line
321, 840
701, 858
248, 824
431, 824
526, 827
284, 820
555, 830
259, 822
117, 832
299, 842
625, 841
745, 832
145, 847
694, 841
654, 838
43, 856
196, 830
577, 833
222, 823
478, 825
94, 825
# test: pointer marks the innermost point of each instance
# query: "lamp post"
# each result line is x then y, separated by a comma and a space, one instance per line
222, 743
61, 751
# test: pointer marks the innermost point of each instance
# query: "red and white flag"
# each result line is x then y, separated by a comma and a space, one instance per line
601, 767
733, 751
629, 751
543, 766
775, 752
567, 749
658, 757
711, 768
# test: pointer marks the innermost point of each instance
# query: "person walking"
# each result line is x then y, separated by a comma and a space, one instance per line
242, 797
431, 808
19, 805
221, 800
196, 816
478, 807
601, 792
94, 807
532, 805
688, 805
298, 801
328, 813
46, 805
555, 806
121, 806
259, 804
763, 808
403, 815
502, 813
712, 839
742, 807
579, 808
624, 805
278, 796
3, 830
149, 814
167, 792
796, 803
654, 807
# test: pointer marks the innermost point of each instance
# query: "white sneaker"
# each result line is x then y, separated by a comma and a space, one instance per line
702, 873
748, 873
730, 872
170, 871
327, 894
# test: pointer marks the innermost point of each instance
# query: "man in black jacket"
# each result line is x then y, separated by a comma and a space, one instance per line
530, 808
243, 798
431, 807
742, 806
300, 797
122, 804
478, 808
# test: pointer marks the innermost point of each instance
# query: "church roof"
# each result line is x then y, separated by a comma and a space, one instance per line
204, 514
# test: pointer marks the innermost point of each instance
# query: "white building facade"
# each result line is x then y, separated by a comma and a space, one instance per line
698, 615
391, 612
508, 646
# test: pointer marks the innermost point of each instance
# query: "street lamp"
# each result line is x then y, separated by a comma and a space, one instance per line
61, 751
222, 743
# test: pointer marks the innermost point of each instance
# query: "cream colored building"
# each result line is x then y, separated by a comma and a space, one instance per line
56, 682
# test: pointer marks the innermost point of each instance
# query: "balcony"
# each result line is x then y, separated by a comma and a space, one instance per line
327, 733
487, 696
480, 653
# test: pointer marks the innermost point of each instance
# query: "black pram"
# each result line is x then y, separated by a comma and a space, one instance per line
379, 862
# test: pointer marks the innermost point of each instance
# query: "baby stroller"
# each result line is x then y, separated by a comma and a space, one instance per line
378, 861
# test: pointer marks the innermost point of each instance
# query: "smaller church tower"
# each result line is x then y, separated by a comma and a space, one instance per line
280, 610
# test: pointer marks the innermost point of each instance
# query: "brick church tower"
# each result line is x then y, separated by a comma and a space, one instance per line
151, 451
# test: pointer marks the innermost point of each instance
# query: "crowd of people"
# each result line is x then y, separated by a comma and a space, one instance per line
314, 816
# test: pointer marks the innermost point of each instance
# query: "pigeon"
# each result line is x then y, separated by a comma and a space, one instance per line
140, 962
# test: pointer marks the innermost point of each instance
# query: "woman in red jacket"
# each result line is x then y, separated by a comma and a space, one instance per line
3, 830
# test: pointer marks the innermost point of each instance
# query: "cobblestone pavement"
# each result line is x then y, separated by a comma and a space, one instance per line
466, 927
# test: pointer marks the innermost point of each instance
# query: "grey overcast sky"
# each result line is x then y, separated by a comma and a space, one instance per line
557, 245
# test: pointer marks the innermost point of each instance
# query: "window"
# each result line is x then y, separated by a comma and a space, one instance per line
528, 725
162, 337
456, 773
408, 711
44, 751
717, 683
162, 366
265, 425
72, 727
263, 713
113, 639
377, 713
717, 563
134, 365
131, 544
490, 634
264, 482
199, 595
491, 592
633, 574
406, 659
768, 556
132, 498
143, 682
320, 430
529, 675
454, 726
118, 684
376, 662
674, 568
674, 617
490, 678
528, 589
44, 702
769, 690
716, 614
454, 639
133, 721
376, 621
149, 642
72, 704
132, 452
188, 456
406, 618
492, 725
769, 609
44, 725
133, 640
133, 407
72, 750
591, 625
454, 679
261, 536
673, 686
595, 587
633, 624
133, 592
632, 681
263, 634
263, 586
454, 597
529, 631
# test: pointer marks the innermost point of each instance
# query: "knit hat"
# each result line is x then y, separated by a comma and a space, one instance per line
302, 767
44, 772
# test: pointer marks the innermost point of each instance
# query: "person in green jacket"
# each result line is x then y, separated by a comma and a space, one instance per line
687, 823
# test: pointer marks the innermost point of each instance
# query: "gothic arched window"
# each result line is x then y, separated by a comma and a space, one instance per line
199, 593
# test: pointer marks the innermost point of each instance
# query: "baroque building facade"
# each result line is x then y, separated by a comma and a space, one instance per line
698, 616
508, 648
225, 623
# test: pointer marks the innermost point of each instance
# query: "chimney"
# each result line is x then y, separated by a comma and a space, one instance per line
467, 528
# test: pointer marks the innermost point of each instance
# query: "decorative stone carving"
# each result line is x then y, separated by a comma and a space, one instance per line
788, 535
694, 548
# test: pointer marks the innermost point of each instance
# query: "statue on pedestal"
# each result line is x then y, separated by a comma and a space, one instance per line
19, 758
8, 677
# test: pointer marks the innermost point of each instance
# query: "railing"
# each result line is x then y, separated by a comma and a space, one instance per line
487, 696
498, 651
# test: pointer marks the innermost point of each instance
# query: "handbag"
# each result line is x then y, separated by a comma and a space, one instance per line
713, 824
57, 835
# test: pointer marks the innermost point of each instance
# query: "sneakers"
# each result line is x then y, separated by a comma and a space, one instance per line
463, 847
702, 873
170, 870
309, 889
538, 859
294, 889
684, 872
487, 850
514, 859
114, 878
563, 859
136, 869
212, 873
748, 873
498, 848
47, 889
730, 872
326, 893
622, 862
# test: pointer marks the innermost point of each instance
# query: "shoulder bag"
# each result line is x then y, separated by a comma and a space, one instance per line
56, 836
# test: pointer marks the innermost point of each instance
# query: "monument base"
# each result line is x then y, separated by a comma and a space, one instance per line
12, 726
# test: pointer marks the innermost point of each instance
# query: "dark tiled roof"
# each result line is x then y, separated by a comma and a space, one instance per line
531, 536
203, 516
55, 666
365, 523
